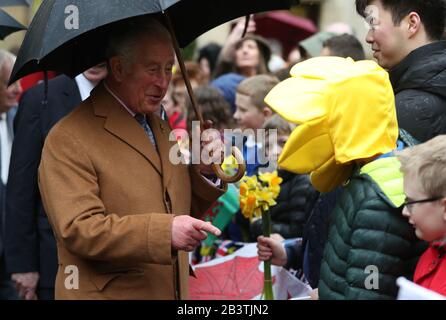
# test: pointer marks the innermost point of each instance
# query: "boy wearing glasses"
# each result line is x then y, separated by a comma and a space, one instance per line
424, 169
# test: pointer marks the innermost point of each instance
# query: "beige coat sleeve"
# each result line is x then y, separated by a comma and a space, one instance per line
203, 193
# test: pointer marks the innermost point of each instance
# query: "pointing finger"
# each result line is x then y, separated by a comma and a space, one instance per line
208, 227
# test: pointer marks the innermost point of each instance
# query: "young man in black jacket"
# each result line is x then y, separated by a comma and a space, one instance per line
405, 36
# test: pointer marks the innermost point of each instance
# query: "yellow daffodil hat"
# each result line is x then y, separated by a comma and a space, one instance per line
345, 111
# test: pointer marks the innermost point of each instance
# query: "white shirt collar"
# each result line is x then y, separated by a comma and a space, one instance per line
5, 148
84, 85
119, 100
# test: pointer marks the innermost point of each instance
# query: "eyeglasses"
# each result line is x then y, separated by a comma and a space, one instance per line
409, 204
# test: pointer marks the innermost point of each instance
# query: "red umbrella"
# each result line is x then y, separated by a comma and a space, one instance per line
285, 27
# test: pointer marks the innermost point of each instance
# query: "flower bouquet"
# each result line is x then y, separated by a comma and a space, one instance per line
257, 195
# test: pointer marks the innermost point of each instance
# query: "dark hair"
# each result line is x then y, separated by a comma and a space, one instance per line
283, 73
345, 46
213, 107
431, 12
210, 52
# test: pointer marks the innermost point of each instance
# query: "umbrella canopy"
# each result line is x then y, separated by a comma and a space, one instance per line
8, 25
56, 41
11, 3
285, 27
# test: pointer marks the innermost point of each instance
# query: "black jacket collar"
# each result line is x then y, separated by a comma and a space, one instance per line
413, 58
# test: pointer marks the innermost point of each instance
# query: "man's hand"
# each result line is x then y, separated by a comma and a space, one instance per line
212, 148
268, 248
26, 284
277, 237
314, 294
188, 232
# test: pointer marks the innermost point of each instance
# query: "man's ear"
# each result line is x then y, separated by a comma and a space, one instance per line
413, 21
267, 112
116, 68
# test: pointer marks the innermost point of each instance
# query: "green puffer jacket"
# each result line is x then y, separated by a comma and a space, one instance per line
368, 229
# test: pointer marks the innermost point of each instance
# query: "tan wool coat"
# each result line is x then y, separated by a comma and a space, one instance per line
111, 198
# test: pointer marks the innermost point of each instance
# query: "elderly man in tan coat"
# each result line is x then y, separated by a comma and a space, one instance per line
119, 208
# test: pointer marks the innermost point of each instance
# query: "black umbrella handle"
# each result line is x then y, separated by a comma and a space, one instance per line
235, 152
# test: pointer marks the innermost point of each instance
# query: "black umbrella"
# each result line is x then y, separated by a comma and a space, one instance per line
8, 25
54, 43
11, 3
69, 36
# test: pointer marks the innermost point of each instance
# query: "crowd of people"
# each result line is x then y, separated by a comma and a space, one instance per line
360, 144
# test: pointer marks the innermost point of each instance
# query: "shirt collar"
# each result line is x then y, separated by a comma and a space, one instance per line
85, 86
119, 100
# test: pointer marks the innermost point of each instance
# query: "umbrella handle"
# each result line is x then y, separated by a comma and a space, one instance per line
240, 171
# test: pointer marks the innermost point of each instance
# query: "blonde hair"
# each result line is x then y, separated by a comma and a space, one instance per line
257, 87
193, 71
427, 162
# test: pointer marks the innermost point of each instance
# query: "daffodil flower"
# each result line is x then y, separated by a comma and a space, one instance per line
264, 190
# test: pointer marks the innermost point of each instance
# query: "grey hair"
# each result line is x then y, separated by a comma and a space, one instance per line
123, 41
6, 56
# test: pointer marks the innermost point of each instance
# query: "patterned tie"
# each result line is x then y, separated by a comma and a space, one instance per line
142, 120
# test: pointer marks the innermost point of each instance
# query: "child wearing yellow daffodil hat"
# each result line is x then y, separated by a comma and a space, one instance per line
346, 134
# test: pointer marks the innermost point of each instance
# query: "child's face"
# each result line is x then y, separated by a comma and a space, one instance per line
274, 150
428, 218
247, 115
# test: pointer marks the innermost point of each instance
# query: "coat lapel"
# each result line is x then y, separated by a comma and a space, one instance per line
120, 123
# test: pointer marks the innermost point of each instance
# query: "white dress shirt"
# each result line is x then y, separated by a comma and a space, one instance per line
5, 150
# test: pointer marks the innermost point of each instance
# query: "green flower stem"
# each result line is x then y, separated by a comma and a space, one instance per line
267, 280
